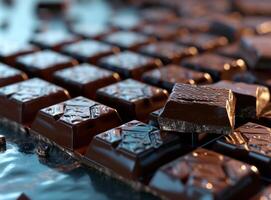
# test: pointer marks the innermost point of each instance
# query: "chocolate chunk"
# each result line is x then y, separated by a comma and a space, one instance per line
231, 51
167, 76
9, 75
153, 117
129, 64
253, 7
89, 51
265, 117
128, 40
168, 52
265, 194
132, 99
54, 40
251, 99
204, 174
219, 67
134, 150
257, 25
255, 51
250, 143
73, 123
186, 108
85, 79
21, 101
203, 41
9, 51
44, 63
91, 31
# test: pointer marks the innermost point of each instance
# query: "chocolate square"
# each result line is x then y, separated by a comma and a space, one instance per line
9, 75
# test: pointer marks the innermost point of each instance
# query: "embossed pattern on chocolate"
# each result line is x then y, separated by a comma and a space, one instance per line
129, 64
9, 75
168, 52
125, 149
205, 174
197, 101
132, 99
89, 118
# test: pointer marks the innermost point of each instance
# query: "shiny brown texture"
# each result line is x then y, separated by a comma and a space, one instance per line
132, 99
21, 101
204, 174
73, 123
9, 75
188, 105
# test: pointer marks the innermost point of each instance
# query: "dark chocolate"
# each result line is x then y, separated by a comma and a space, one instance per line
265, 194
253, 7
44, 63
186, 108
232, 51
129, 64
204, 174
166, 77
73, 123
85, 79
21, 101
132, 99
9, 75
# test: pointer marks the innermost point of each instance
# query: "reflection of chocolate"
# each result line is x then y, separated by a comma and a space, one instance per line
265, 194
21, 101
187, 107
73, 123
204, 174
167, 76
85, 79
134, 150
129, 64
9, 75
53, 39
219, 67
168, 52
89, 51
132, 99
255, 51
250, 99
203, 41
127, 40
44, 63
250, 143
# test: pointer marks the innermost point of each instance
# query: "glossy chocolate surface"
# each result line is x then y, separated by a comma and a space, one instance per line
21, 101
9, 75
134, 150
85, 79
204, 174
53, 39
89, 51
129, 64
35, 65
128, 40
73, 123
251, 99
166, 77
168, 52
186, 108
132, 99
250, 143
219, 67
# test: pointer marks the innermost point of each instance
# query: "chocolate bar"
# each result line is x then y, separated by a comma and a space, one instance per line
129, 64
128, 40
89, 51
251, 99
168, 52
9, 75
255, 51
250, 143
44, 63
204, 174
72, 124
219, 67
132, 99
186, 108
21, 101
167, 76
134, 150
85, 79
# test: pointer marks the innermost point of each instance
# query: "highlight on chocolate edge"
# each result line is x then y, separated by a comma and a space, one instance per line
135, 99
